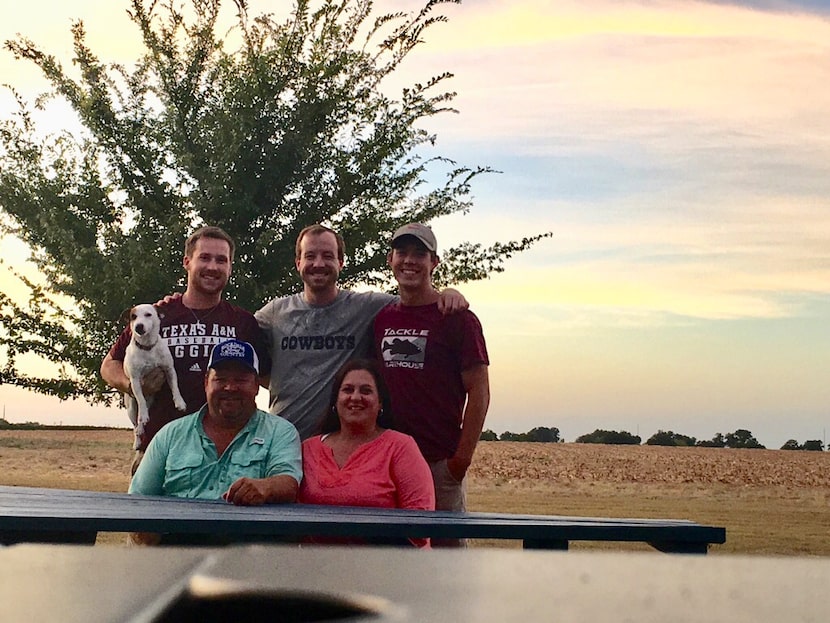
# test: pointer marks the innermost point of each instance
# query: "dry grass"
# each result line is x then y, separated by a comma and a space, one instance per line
770, 501
98, 460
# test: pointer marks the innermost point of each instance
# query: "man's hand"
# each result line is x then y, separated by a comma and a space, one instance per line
153, 381
257, 491
247, 492
168, 299
457, 467
451, 301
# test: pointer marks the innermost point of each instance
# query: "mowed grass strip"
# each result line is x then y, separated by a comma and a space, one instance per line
772, 502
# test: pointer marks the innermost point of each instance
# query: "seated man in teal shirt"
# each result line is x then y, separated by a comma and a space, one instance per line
229, 448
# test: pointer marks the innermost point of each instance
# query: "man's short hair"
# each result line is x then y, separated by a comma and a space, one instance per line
208, 231
316, 230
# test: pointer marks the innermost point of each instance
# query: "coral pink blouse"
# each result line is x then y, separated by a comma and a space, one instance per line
387, 472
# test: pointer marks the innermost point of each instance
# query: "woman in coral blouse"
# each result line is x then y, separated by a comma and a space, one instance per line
355, 462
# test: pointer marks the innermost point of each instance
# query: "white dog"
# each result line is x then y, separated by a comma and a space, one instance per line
145, 352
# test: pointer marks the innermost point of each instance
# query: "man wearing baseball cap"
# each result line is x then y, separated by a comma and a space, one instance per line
435, 366
312, 333
421, 233
228, 449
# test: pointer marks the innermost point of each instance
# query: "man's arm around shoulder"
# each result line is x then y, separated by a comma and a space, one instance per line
451, 301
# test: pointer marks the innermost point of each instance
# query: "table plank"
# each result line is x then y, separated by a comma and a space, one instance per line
38, 511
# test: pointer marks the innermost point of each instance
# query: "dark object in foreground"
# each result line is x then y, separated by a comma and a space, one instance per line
487, 585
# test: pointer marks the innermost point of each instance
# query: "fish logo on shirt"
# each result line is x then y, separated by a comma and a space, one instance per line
401, 347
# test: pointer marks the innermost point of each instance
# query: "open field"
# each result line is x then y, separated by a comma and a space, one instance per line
771, 502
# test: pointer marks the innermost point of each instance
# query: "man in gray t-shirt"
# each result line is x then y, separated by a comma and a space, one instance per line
309, 343
313, 333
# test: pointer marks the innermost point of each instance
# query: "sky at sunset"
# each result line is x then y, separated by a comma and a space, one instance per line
679, 152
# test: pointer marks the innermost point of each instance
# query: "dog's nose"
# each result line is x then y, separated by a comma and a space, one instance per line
139, 328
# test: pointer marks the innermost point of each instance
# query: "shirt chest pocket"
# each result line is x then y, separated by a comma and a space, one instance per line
182, 473
250, 462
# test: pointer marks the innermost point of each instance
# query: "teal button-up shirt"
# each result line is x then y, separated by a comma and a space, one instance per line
182, 461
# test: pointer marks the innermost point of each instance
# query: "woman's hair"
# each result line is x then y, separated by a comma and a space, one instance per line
331, 422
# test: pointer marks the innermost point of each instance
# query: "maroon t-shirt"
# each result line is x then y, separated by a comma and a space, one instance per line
422, 354
190, 335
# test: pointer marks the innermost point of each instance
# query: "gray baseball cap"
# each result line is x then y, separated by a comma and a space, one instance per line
421, 232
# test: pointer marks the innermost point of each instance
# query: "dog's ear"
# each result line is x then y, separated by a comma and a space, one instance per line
124, 318
159, 312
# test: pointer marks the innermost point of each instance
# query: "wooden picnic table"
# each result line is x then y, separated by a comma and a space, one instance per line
30, 514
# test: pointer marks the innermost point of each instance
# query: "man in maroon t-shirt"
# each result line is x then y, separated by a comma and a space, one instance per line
435, 367
191, 325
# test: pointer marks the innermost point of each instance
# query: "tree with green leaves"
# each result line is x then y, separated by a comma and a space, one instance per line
261, 131
742, 438
670, 438
488, 435
543, 434
811, 445
511, 436
718, 441
610, 437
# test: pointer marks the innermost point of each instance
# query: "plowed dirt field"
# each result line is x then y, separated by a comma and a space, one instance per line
771, 502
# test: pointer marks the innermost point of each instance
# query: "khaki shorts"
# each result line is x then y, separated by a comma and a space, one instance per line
450, 495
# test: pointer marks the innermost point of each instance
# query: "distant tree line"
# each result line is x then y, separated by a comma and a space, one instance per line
610, 436
6, 425
539, 434
813, 445
741, 438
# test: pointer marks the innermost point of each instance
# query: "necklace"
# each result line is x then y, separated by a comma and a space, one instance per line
204, 316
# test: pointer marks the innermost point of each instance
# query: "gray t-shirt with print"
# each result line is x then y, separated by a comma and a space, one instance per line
308, 344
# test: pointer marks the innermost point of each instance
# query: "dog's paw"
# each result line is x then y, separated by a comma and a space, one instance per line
181, 405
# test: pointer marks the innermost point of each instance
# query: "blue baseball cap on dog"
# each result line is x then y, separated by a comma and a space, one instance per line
234, 351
